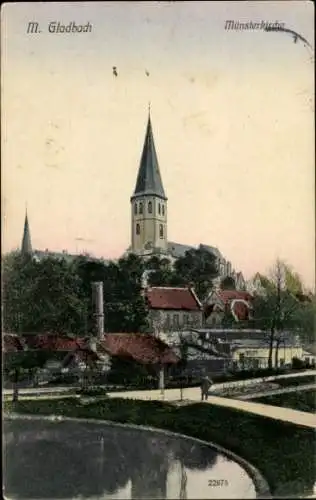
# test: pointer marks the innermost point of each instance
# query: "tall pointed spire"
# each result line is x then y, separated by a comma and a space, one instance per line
26, 248
149, 179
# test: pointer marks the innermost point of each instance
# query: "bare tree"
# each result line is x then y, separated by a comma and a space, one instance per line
275, 310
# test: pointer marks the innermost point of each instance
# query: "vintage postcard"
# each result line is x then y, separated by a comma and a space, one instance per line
158, 250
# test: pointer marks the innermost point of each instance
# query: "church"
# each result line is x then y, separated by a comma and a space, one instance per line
149, 216
149, 219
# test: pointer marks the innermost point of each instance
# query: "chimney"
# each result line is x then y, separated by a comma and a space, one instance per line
97, 301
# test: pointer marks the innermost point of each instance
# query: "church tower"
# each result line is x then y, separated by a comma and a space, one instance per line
26, 248
149, 203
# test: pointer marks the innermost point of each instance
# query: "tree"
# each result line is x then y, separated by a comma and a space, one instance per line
197, 267
18, 361
42, 295
228, 283
55, 295
304, 319
125, 306
279, 308
162, 273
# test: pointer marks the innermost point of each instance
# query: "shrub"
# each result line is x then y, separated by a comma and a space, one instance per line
92, 391
298, 364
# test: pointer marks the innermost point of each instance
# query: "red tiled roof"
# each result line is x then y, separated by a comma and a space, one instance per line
172, 298
240, 309
143, 348
53, 342
228, 295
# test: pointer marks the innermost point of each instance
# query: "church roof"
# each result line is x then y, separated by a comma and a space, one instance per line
149, 179
211, 249
178, 249
26, 240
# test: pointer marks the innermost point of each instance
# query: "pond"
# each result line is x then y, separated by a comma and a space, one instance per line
46, 459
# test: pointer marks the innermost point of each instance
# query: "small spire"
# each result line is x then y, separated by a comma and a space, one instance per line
26, 240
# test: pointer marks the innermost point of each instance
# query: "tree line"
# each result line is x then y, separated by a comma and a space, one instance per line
54, 295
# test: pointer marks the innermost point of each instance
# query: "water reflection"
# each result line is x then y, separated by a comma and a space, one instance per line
65, 460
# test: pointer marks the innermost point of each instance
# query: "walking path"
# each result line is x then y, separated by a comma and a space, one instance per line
193, 395
238, 383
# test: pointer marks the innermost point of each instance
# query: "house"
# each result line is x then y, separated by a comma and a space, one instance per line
173, 309
76, 353
309, 354
240, 282
236, 303
254, 353
200, 356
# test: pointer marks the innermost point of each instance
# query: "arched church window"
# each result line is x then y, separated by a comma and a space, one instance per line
150, 207
140, 208
137, 229
163, 209
159, 208
160, 231
135, 209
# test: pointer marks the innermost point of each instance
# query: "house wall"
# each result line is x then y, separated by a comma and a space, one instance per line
201, 367
260, 356
168, 320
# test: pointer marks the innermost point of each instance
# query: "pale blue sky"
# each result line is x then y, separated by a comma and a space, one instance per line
232, 115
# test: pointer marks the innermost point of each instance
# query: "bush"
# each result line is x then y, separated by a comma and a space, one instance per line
298, 364
92, 391
64, 379
248, 374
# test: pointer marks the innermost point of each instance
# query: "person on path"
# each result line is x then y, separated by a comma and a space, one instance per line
205, 386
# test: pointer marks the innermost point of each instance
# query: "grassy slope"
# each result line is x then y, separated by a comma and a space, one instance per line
294, 381
283, 452
302, 401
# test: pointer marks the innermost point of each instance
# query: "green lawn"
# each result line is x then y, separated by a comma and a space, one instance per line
294, 381
283, 452
303, 401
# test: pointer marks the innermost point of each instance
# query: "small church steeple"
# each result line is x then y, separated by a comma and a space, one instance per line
26, 248
149, 202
